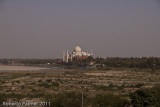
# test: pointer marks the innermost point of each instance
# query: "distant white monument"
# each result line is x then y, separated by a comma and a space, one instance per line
77, 53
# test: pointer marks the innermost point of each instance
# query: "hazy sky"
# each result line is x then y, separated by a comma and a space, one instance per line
44, 28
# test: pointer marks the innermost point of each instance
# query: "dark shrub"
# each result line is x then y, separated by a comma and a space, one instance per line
44, 85
139, 85
64, 100
56, 84
109, 100
49, 80
39, 80
146, 97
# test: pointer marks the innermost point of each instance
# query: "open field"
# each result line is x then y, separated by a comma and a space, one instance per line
26, 86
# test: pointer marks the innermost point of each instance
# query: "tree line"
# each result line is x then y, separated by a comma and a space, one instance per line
142, 62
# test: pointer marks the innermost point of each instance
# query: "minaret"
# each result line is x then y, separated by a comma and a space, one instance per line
71, 57
87, 53
67, 57
63, 56
91, 52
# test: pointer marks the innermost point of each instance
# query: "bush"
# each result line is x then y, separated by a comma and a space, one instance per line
18, 81
109, 101
64, 100
111, 85
49, 80
146, 97
55, 84
39, 80
44, 85
139, 85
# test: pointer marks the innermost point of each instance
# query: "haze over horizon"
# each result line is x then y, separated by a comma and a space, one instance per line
111, 28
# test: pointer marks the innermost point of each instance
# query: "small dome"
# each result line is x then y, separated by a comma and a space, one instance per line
77, 49
84, 53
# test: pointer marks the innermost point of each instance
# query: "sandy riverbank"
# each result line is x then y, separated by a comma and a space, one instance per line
20, 68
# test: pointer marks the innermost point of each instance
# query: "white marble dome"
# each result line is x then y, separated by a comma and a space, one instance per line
77, 49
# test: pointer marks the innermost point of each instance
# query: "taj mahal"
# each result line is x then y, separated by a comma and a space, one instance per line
77, 53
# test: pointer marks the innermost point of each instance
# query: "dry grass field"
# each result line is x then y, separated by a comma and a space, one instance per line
33, 86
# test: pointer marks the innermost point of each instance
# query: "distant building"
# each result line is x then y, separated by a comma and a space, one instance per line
77, 53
